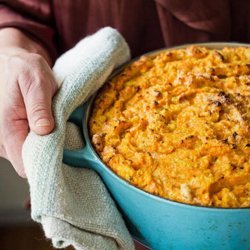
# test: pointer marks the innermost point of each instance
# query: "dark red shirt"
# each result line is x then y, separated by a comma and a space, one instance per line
145, 24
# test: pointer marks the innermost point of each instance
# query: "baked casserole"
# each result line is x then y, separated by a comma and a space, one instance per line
176, 125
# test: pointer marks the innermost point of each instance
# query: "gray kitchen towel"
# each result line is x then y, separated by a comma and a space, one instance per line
72, 204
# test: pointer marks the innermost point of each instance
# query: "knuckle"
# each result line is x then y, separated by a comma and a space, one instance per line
14, 61
36, 57
35, 82
29, 72
38, 112
32, 74
32, 88
28, 80
37, 60
38, 108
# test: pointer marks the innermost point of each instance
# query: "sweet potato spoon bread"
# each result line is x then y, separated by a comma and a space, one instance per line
177, 125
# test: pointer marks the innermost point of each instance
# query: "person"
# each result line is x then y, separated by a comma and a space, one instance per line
34, 33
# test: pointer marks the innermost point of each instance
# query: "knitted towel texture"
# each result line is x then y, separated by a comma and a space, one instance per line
72, 204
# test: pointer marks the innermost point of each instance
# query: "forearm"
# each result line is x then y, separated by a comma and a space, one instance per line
14, 38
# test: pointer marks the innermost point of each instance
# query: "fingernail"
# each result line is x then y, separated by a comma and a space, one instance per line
43, 123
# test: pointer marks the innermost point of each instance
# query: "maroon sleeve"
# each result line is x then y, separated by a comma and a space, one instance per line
31, 16
188, 21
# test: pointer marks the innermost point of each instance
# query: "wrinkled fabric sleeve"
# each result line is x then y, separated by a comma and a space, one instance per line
194, 21
34, 17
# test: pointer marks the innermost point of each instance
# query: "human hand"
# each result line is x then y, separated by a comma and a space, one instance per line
27, 86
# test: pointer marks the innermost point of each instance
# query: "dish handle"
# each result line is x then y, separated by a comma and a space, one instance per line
83, 158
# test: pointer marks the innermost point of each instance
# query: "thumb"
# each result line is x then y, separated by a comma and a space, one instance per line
38, 99
39, 114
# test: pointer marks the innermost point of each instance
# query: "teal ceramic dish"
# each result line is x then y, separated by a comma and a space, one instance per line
160, 223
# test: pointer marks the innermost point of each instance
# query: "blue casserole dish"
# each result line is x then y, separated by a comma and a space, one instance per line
160, 223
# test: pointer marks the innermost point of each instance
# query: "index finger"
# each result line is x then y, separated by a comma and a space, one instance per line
17, 131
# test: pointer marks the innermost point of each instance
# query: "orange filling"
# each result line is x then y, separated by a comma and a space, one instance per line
177, 125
